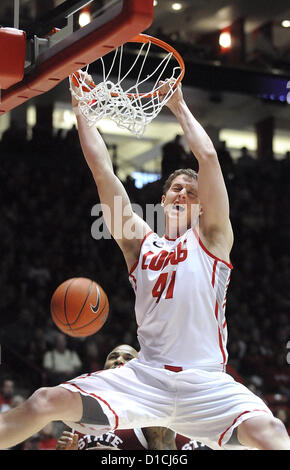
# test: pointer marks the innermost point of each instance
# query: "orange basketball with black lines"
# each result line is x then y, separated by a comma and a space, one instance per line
79, 307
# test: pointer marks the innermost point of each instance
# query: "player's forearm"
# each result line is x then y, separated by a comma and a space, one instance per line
94, 148
198, 140
111, 191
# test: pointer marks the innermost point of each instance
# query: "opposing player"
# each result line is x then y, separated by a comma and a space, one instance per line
178, 380
129, 439
124, 439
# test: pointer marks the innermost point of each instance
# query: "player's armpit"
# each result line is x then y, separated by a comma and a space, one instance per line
159, 438
126, 227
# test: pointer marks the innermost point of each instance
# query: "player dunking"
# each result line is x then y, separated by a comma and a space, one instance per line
180, 280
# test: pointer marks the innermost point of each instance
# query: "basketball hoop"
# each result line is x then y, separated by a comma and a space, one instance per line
131, 107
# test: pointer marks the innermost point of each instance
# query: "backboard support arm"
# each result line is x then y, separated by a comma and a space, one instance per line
71, 54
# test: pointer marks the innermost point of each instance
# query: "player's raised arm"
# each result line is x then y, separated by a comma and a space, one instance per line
126, 227
215, 219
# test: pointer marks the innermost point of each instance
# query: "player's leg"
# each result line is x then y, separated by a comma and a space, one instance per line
264, 433
44, 406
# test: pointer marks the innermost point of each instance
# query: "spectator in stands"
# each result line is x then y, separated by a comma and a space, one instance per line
6, 395
71, 137
30, 444
14, 137
283, 414
16, 401
47, 439
91, 360
246, 161
173, 156
37, 347
225, 159
61, 363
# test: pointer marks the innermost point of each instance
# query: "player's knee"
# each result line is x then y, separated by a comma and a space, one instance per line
276, 427
41, 401
271, 428
56, 403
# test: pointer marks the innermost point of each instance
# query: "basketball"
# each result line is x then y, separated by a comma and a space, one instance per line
79, 307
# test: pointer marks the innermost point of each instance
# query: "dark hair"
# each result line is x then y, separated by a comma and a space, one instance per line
183, 171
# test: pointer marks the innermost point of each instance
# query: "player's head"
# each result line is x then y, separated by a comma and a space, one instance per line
182, 171
120, 356
7, 388
60, 342
180, 199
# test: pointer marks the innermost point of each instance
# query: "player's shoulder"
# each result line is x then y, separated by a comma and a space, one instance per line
131, 248
217, 247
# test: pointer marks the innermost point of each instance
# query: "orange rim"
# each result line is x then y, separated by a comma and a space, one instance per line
144, 39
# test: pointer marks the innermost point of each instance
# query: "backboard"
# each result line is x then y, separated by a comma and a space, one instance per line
58, 43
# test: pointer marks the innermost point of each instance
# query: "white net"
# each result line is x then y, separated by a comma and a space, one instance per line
131, 107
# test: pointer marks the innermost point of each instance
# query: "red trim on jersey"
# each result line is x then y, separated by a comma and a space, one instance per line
234, 422
173, 368
213, 273
134, 280
229, 265
219, 333
171, 239
99, 398
216, 310
221, 346
137, 260
227, 285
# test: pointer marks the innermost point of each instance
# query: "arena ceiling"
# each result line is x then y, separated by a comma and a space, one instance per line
205, 16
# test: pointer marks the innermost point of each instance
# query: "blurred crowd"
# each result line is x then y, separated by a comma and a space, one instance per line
258, 49
47, 194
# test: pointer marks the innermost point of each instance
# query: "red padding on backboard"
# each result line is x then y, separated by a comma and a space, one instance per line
12, 56
135, 17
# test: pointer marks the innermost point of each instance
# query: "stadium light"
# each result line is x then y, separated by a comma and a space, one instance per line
84, 18
285, 23
225, 39
176, 6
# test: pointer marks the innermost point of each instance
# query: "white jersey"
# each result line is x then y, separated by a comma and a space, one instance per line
180, 307
180, 304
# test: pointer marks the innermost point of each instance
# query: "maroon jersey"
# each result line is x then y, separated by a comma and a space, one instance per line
185, 443
132, 439
124, 439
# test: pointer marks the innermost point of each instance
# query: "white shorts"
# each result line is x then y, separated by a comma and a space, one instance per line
204, 406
